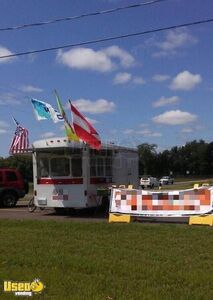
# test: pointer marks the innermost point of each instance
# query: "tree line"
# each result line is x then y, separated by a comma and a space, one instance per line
195, 158
22, 163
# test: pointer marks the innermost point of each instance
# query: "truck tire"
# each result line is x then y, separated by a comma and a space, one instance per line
9, 200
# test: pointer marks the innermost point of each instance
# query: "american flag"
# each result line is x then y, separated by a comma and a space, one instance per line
20, 142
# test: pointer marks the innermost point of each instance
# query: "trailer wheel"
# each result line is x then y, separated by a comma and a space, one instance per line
9, 200
31, 205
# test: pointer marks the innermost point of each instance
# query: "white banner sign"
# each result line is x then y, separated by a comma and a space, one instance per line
162, 203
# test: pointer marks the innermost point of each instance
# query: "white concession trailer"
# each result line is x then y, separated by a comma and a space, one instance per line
69, 174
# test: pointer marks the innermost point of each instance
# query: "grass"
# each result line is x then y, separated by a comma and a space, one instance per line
108, 261
187, 184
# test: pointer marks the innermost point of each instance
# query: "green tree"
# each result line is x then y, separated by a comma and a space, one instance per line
147, 158
22, 163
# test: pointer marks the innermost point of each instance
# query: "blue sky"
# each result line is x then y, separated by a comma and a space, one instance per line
155, 88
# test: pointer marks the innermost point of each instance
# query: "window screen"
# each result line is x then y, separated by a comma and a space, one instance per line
101, 163
76, 163
43, 167
60, 166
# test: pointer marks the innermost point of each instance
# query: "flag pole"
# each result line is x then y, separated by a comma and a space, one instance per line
15, 121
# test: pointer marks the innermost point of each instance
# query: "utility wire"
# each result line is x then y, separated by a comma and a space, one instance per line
108, 38
103, 12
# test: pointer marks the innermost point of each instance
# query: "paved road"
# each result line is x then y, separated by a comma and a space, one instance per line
20, 212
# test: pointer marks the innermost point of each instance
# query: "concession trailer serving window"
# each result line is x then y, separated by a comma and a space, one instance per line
60, 164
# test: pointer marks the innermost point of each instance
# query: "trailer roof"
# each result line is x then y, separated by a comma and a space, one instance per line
62, 142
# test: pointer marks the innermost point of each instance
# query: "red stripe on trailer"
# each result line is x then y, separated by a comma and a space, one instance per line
60, 181
94, 180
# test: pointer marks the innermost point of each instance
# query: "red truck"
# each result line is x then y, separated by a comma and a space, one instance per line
12, 187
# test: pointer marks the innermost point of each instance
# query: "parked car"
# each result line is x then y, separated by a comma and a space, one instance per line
148, 181
12, 187
166, 180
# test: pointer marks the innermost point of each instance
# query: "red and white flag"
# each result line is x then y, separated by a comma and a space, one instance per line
84, 129
20, 142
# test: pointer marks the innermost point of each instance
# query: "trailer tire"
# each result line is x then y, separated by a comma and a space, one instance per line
31, 205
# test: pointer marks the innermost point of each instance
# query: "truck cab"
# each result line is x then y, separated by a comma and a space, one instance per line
12, 187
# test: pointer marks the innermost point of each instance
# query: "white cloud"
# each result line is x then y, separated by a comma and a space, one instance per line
166, 101
99, 106
3, 52
9, 99
100, 60
3, 127
129, 131
175, 117
48, 134
138, 80
187, 130
4, 124
122, 78
160, 77
30, 88
185, 81
85, 58
3, 131
196, 127
126, 59
148, 133
144, 132
174, 40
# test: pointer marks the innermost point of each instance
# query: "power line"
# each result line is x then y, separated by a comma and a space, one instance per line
108, 38
103, 12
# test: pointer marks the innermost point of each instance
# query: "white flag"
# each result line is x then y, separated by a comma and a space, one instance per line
44, 111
